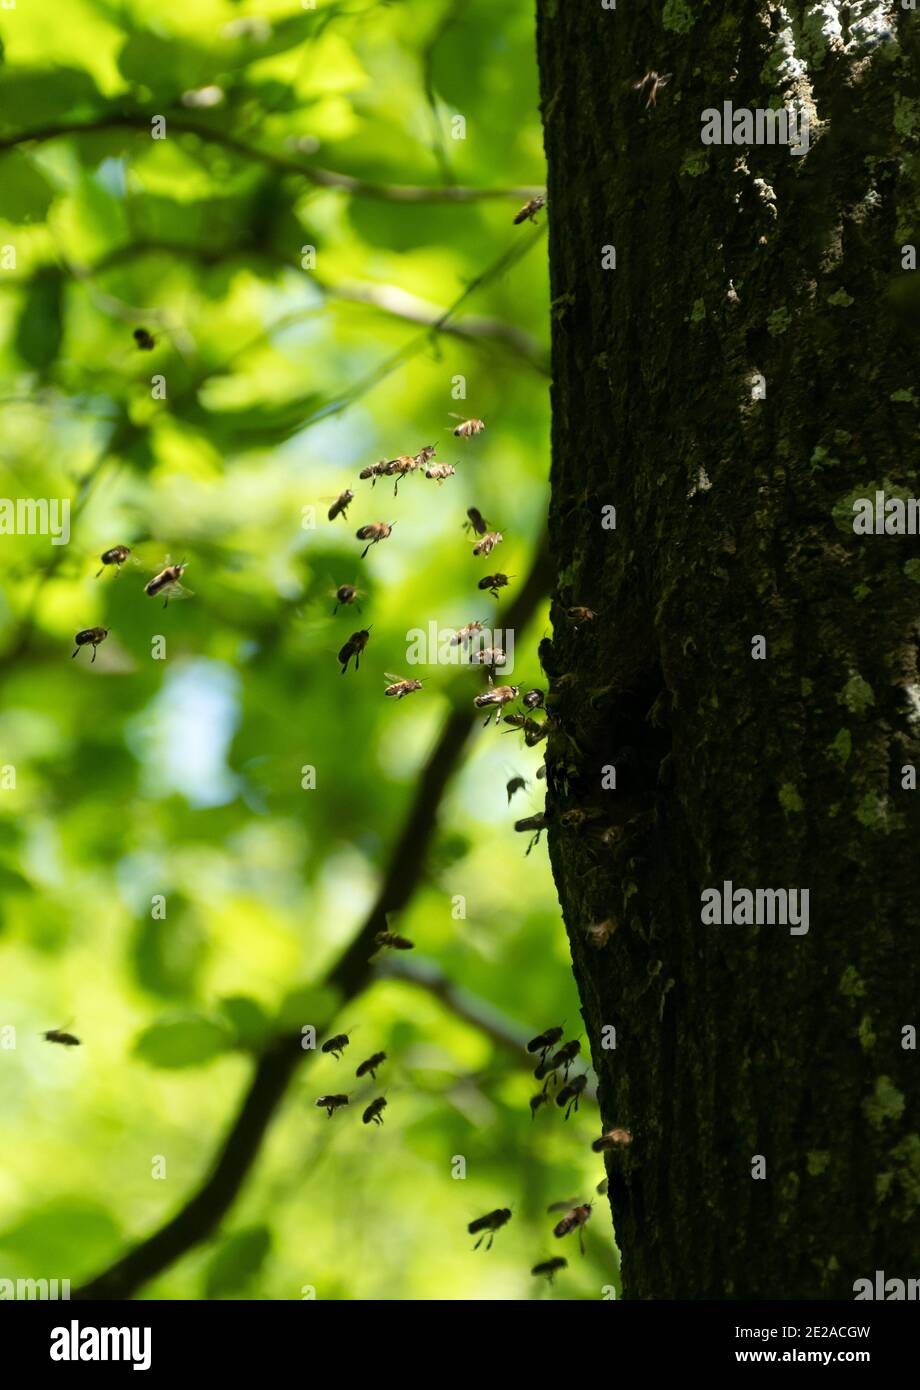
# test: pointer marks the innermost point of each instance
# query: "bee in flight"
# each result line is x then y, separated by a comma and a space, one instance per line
488, 543
376, 532
494, 582
498, 695
544, 1041
116, 556
534, 699
167, 582
399, 688
541, 1098
516, 784
373, 1111
440, 471
331, 1103
354, 647
491, 1222
528, 213
570, 1094
488, 656
90, 637
336, 1045
144, 340
536, 825
565, 1057
371, 1064
465, 634
467, 428
476, 522
399, 467
58, 1035
341, 504
654, 83
374, 471
394, 941
550, 1268
345, 594
575, 1220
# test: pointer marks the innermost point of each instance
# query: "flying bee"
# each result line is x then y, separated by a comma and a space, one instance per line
491, 1222
488, 656
58, 1035
336, 1045
516, 784
536, 824
398, 468
569, 1094
477, 521
90, 636
544, 1041
575, 1220
167, 582
465, 634
345, 594
566, 1204
330, 1103
354, 647
375, 471
341, 504
613, 1139
373, 1111
655, 84
467, 428
393, 940
488, 543
494, 582
116, 556
371, 1065
399, 688
534, 699
440, 471
376, 532
528, 212
144, 340
566, 1056
550, 1267
541, 1098
499, 695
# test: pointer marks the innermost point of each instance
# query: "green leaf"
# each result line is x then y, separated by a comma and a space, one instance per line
248, 1020
40, 327
182, 1042
27, 194
237, 1261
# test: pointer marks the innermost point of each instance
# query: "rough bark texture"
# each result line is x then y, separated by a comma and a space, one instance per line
734, 519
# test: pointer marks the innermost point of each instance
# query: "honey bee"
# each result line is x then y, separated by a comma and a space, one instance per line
536, 824
376, 532
371, 1065
345, 594
144, 340
167, 582
541, 1098
544, 1041
541, 772
399, 688
341, 504
528, 212
393, 940
569, 1094
58, 1035
116, 556
516, 784
580, 615
494, 582
656, 83
399, 467
467, 428
425, 454
331, 1103
375, 471
336, 1045
488, 656
90, 636
613, 1139
465, 634
550, 1267
566, 1056
354, 647
575, 1220
477, 521
565, 1205
533, 731
440, 472
373, 1111
534, 699
488, 543
499, 695
491, 1222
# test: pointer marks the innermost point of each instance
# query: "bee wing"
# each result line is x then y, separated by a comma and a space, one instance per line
389, 675
178, 590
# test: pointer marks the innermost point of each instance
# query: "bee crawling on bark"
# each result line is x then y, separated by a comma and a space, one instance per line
476, 522
575, 1220
370, 1065
488, 543
490, 1223
341, 504
58, 1035
167, 582
544, 1041
534, 699
467, 428
116, 556
498, 695
494, 582
90, 637
528, 213
354, 647
569, 1094
336, 1045
331, 1103
579, 615
535, 824
654, 83
145, 341
374, 533
550, 1268
398, 688
613, 1139
374, 1111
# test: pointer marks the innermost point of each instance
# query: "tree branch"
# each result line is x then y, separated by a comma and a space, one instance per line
352, 973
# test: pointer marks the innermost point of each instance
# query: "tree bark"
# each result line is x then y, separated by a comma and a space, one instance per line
739, 269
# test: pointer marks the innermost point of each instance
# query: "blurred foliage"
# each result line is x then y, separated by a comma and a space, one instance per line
139, 779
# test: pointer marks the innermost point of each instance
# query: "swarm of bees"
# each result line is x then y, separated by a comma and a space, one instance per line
166, 581
373, 1113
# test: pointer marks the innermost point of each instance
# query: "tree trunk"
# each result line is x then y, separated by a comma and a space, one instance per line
745, 371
